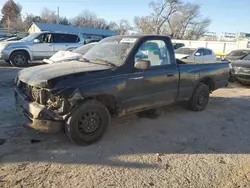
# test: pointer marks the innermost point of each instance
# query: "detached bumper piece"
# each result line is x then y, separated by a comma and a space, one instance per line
43, 120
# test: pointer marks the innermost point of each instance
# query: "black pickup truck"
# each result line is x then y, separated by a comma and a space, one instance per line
120, 75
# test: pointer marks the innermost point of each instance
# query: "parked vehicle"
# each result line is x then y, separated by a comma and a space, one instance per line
236, 55
68, 56
178, 45
11, 39
116, 77
38, 46
240, 70
88, 41
201, 54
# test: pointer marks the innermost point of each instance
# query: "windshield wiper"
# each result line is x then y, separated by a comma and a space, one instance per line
106, 62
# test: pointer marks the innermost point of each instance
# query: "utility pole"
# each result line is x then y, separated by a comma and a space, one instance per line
57, 15
8, 23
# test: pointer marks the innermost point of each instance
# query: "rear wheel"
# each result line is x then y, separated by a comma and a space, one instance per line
88, 123
200, 98
19, 59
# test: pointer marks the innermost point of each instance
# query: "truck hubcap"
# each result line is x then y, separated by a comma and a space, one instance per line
202, 99
19, 60
90, 122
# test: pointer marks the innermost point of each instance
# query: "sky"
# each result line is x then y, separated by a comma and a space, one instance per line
227, 15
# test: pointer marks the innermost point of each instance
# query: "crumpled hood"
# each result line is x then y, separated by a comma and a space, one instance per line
63, 56
39, 76
241, 63
180, 56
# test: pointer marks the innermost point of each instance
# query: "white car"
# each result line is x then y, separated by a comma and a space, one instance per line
195, 54
67, 56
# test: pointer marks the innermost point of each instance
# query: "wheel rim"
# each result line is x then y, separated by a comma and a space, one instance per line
202, 98
19, 59
90, 122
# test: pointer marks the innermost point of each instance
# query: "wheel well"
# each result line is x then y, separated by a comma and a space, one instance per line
107, 100
209, 82
25, 51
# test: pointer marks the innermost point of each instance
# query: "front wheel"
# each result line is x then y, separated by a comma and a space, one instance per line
19, 59
88, 123
200, 98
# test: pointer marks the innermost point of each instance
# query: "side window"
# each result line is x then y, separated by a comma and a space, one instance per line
71, 39
41, 38
206, 52
200, 51
47, 38
58, 38
154, 51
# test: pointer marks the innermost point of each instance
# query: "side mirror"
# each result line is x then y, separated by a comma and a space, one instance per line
197, 54
142, 64
36, 41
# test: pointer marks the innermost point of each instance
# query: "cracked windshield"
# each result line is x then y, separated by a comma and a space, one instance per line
94, 92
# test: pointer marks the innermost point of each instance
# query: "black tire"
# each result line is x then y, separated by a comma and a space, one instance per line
200, 98
19, 59
88, 123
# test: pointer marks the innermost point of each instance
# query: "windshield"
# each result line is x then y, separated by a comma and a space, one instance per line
113, 50
84, 49
247, 57
238, 53
30, 37
186, 51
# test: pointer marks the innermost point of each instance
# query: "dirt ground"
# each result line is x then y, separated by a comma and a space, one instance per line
179, 149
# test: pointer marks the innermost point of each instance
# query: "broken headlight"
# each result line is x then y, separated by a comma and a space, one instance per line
54, 102
35, 92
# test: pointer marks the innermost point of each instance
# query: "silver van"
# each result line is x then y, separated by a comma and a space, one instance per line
38, 46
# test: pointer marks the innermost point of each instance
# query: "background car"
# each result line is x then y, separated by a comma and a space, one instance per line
178, 45
38, 46
236, 55
63, 56
240, 70
195, 54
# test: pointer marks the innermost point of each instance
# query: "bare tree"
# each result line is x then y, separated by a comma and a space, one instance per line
11, 12
198, 29
48, 16
89, 19
144, 25
30, 18
162, 11
121, 27
173, 18
64, 21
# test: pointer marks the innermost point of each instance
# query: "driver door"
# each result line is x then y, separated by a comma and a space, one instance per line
157, 85
43, 48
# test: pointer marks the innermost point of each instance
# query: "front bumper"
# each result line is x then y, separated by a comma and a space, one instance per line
43, 120
4, 54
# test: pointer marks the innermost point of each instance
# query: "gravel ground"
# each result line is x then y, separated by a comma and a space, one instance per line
181, 148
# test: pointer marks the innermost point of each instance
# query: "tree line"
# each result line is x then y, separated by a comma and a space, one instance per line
178, 19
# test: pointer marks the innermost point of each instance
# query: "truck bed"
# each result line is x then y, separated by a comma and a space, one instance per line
191, 73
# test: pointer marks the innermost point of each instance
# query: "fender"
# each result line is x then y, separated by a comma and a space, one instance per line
10, 50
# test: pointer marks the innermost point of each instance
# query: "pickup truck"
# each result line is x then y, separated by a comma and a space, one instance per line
118, 76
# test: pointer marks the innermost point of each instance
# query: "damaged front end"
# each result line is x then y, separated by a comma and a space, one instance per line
47, 109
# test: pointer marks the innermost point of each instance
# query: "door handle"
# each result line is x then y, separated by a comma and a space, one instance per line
170, 74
